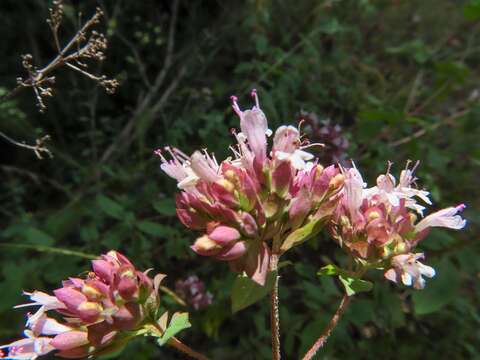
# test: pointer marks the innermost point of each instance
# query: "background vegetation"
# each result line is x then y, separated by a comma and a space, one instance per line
400, 77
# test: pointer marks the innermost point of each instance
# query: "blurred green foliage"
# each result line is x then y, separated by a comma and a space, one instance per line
401, 78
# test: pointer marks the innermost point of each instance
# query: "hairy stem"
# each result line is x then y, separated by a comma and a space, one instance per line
326, 332
177, 344
274, 316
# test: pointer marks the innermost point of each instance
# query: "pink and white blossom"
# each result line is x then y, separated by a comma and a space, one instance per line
407, 268
447, 218
90, 311
238, 203
29, 348
379, 225
388, 189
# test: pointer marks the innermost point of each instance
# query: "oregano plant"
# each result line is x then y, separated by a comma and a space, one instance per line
248, 210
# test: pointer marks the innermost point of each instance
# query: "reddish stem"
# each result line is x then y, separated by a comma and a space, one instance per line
274, 315
177, 344
326, 332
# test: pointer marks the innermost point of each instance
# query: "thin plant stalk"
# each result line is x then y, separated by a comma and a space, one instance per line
274, 315
327, 331
177, 344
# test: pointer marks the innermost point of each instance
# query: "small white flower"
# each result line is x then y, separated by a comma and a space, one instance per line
29, 348
46, 303
390, 192
443, 218
353, 190
407, 269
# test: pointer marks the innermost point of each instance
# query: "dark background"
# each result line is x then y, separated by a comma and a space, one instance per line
401, 78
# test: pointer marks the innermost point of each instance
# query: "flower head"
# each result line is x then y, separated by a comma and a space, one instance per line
93, 312
246, 206
379, 225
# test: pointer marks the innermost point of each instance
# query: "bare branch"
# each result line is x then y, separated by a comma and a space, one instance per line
39, 148
94, 48
88, 46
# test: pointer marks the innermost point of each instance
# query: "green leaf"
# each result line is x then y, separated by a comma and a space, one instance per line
472, 11
165, 207
178, 323
110, 207
302, 234
329, 270
152, 228
246, 292
439, 291
353, 285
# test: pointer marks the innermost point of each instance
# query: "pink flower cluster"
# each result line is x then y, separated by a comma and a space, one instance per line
265, 200
96, 312
245, 205
380, 226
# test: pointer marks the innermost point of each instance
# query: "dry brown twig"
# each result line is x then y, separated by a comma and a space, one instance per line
86, 44
39, 148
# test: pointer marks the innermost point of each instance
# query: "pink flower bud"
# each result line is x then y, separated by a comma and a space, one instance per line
301, 206
234, 252
248, 224
221, 191
206, 246
121, 258
89, 311
70, 297
282, 178
224, 235
128, 287
323, 180
70, 340
103, 269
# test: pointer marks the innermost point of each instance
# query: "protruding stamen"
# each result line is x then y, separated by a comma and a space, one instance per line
389, 166
253, 93
415, 166
235, 106
300, 124
312, 145
461, 207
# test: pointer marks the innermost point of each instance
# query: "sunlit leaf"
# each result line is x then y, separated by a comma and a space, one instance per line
353, 285
178, 323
